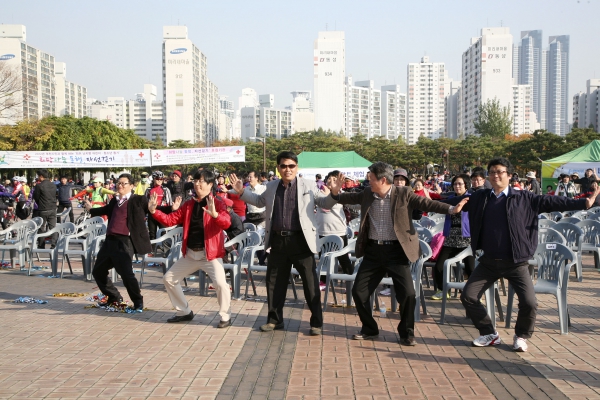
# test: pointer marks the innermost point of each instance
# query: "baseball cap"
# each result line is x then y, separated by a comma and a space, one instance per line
97, 180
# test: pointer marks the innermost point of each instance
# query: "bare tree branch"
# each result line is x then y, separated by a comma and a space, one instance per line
11, 94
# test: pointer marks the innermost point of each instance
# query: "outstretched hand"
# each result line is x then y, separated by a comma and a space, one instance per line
87, 205
236, 183
459, 206
176, 203
152, 203
589, 203
335, 184
210, 207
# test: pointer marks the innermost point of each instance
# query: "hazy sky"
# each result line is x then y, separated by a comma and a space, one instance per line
114, 47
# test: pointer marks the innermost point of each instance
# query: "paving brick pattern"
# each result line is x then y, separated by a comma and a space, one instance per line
62, 350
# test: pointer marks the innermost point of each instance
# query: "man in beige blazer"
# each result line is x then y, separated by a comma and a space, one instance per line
387, 241
290, 232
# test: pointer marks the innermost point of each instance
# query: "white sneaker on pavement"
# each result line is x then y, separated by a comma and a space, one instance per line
519, 344
487, 340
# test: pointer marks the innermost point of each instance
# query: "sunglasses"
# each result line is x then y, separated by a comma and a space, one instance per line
288, 166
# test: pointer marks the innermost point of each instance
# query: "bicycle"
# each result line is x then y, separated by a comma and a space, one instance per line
83, 216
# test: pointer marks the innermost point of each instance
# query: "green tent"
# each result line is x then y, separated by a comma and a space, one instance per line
340, 159
348, 162
576, 161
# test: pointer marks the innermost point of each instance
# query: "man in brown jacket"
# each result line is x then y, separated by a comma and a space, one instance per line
387, 241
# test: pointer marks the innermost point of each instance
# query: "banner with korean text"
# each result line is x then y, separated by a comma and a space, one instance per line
93, 159
204, 155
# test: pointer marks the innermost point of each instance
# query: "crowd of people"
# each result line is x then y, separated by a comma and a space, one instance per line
489, 209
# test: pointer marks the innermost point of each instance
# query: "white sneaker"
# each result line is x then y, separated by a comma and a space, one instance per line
487, 340
519, 344
386, 292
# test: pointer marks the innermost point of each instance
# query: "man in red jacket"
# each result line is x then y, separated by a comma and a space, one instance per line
203, 218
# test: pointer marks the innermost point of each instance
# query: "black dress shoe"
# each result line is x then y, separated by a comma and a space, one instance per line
408, 341
364, 336
270, 327
181, 318
224, 324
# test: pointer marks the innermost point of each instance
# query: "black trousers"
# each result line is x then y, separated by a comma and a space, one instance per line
49, 223
484, 276
117, 253
446, 253
62, 207
153, 226
377, 261
286, 251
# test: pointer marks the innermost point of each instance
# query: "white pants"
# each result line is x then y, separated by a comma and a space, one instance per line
192, 262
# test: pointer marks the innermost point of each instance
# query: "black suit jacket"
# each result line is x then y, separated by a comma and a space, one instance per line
137, 208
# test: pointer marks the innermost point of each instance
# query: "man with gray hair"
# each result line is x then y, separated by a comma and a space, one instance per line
388, 242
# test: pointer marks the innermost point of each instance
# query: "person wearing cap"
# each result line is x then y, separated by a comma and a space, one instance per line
44, 196
26, 188
20, 198
64, 191
534, 185
97, 192
143, 185
163, 196
178, 187
203, 218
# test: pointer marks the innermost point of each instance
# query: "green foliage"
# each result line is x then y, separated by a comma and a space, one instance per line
493, 120
525, 151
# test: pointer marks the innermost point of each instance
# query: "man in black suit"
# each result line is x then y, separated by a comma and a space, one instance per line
126, 235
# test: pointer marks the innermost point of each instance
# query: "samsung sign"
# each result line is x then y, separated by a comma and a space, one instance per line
174, 51
5, 57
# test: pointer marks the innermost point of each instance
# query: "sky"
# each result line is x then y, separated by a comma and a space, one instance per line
114, 47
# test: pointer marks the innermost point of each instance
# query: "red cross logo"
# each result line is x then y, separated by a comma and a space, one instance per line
27, 157
157, 156
141, 154
238, 152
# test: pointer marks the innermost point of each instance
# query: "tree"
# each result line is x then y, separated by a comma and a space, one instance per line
493, 120
180, 144
11, 95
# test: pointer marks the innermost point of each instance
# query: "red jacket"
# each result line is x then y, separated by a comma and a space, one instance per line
214, 242
239, 206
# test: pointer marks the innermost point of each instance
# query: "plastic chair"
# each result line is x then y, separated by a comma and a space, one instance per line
171, 238
573, 234
595, 217
16, 241
88, 222
549, 235
168, 261
437, 218
96, 246
88, 235
63, 230
590, 242
570, 220
162, 231
582, 215
427, 223
424, 234
334, 276
328, 263
349, 233
570, 213
244, 241
354, 224
546, 223
556, 215
249, 227
594, 210
490, 296
63, 214
554, 264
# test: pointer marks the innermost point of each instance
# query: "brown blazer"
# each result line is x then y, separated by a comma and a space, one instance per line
403, 201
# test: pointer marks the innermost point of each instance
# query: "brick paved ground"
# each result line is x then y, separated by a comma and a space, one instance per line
62, 350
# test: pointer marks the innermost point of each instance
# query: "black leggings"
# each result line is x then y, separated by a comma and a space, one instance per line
446, 253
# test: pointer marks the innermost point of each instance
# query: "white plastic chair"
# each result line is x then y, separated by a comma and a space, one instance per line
241, 244
567, 214
168, 261
16, 240
354, 224
63, 230
573, 234
334, 276
550, 235
590, 242
88, 235
162, 231
546, 223
170, 238
249, 227
570, 220
594, 210
582, 215
88, 222
63, 214
554, 264
427, 223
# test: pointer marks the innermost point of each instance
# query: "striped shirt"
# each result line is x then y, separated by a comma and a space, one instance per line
381, 225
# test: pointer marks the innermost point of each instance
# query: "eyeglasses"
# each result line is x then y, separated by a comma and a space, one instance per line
123, 183
198, 181
458, 184
498, 173
288, 166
